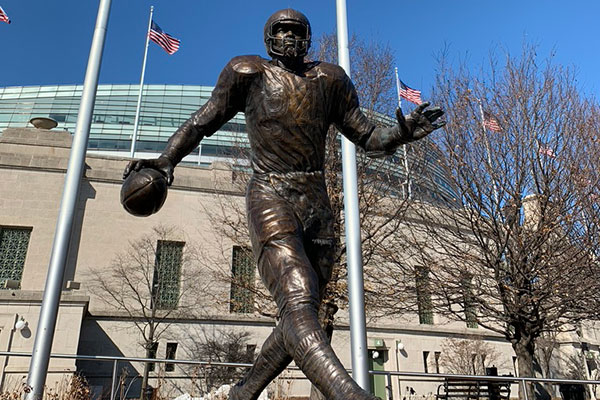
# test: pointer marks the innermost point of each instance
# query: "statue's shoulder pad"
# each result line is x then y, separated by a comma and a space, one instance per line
329, 69
247, 65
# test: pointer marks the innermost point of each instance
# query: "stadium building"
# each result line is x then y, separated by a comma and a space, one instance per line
163, 109
194, 304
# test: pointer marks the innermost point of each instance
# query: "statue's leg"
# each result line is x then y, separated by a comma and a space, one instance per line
277, 237
294, 283
271, 361
273, 357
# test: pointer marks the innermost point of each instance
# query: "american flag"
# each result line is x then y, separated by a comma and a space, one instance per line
164, 40
547, 151
410, 94
3, 16
490, 122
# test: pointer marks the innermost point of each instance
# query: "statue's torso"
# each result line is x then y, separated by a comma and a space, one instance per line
287, 114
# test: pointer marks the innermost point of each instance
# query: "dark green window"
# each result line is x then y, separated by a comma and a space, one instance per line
13, 249
424, 303
167, 274
469, 302
170, 355
152, 354
242, 281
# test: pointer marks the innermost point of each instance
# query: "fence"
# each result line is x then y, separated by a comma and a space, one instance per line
431, 377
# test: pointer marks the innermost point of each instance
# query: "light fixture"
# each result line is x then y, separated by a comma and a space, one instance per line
20, 324
375, 355
400, 346
11, 284
43, 122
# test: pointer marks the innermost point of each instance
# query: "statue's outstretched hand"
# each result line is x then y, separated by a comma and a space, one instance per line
162, 164
419, 123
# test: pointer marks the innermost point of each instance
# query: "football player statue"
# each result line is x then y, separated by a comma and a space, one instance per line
289, 104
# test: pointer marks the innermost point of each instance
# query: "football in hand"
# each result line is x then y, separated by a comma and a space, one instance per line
144, 192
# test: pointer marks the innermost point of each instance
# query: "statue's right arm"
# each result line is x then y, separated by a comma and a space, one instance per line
227, 99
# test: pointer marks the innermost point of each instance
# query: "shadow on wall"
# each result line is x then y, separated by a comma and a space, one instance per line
86, 192
95, 342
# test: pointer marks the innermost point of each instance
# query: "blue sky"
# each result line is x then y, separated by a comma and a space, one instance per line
48, 41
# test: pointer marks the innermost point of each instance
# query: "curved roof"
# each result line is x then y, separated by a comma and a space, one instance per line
164, 108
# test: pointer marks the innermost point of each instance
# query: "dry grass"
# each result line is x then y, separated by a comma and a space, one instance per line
74, 387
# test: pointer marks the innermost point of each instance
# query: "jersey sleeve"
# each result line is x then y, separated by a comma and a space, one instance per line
354, 124
348, 118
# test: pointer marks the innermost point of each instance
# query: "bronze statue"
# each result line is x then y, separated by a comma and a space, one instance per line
289, 104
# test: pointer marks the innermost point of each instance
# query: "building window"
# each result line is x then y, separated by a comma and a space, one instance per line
469, 303
167, 274
13, 249
424, 303
152, 354
426, 362
437, 355
250, 350
170, 355
242, 281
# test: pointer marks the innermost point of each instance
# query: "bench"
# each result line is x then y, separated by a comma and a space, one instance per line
464, 389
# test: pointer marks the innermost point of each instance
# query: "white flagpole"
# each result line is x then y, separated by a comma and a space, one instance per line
356, 295
398, 88
404, 147
139, 101
488, 155
40, 357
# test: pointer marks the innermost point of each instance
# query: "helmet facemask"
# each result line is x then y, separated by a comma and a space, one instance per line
287, 38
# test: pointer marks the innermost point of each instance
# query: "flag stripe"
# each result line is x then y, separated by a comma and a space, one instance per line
3, 16
164, 40
410, 94
491, 123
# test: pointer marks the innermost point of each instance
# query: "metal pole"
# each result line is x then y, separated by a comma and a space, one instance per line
404, 147
38, 368
139, 100
488, 154
525, 389
114, 380
358, 330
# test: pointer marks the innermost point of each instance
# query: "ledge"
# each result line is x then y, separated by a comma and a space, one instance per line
36, 137
35, 296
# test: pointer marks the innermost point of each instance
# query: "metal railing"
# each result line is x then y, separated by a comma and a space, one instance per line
505, 378
427, 377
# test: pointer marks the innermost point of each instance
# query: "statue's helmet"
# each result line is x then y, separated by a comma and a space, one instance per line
295, 45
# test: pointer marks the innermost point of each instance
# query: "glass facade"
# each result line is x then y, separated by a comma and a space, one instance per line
165, 107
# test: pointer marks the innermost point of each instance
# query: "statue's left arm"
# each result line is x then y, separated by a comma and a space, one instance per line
381, 141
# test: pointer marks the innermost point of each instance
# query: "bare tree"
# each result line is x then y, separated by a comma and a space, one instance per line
152, 283
517, 255
380, 202
469, 356
221, 346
